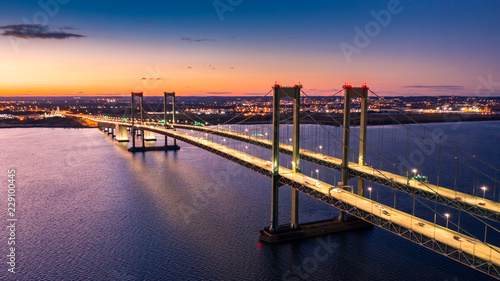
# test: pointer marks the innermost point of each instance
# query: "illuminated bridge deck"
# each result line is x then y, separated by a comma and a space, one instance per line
473, 253
443, 195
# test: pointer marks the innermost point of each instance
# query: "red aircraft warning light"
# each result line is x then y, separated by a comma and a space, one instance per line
348, 85
364, 85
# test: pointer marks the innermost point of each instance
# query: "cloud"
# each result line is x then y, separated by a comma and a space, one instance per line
439, 88
191, 40
144, 78
145, 21
209, 66
190, 67
37, 31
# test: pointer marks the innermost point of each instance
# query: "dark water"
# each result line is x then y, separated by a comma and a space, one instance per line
89, 210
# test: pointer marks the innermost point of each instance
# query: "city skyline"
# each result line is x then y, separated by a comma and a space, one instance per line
241, 48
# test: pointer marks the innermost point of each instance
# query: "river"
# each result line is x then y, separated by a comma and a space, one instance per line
87, 209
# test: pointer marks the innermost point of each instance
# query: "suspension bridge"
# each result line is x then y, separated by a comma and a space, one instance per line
456, 242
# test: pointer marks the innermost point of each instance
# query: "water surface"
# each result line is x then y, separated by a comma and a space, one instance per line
89, 210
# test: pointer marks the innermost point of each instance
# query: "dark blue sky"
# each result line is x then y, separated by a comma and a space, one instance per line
252, 44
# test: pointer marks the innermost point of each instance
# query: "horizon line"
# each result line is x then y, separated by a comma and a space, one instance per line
226, 96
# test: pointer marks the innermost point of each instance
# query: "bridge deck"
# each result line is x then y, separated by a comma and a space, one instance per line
467, 250
443, 195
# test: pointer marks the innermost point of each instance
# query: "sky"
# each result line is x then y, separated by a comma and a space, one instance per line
242, 47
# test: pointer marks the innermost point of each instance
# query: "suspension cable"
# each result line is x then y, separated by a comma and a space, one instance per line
425, 128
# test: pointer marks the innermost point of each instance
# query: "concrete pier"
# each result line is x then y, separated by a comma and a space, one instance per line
121, 133
287, 233
154, 148
149, 136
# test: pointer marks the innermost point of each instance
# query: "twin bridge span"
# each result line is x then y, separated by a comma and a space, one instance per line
467, 250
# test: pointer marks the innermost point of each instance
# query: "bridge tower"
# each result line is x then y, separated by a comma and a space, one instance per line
273, 234
165, 96
349, 93
132, 114
279, 93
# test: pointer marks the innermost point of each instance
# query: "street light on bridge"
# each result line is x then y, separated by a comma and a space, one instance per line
370, 190
317, 174
447, 217
414, 172
484, 191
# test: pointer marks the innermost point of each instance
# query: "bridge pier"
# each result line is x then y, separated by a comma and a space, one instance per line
143, 139
149, 136
121, 135
107, 129
312, 229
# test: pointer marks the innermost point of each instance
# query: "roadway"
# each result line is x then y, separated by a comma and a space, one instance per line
446, 196
467, 202
476, 249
